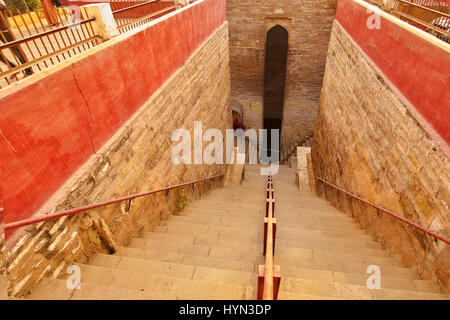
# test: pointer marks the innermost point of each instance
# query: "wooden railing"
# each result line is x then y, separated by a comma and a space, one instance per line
131, 13
432, 16
269, 274
30, 43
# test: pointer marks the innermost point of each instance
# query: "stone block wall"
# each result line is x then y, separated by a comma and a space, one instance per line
308, 24
368, 142
302, 169
136, 159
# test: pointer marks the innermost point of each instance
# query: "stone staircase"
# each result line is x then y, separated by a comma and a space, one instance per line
324, 254
213, 248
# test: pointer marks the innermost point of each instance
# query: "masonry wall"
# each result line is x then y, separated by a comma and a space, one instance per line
308, 24
52, 122
136, 158
368, 140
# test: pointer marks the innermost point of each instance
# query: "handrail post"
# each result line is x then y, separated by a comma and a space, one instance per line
104, 24
269, 277
274, 228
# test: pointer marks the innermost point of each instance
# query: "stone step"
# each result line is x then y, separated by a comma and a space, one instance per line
246, 279
145, 280
220, 211
291, 263
204, 239
199, 228
333, 247
252, 195
288, 216
282, 230
349, 291
332, 256
233, 284
56, 289
238, 235
224, 203
170, 246
174, 257
258, 238
236, 253
283, 295
299, 202
296, 221
303, 206
158, 268
306, 258
361, 279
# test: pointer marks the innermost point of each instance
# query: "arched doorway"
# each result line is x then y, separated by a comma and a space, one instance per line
274, 78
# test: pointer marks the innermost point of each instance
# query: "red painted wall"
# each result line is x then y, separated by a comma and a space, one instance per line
49, 128
419, 69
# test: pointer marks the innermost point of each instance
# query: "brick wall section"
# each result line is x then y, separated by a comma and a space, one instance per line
309, 24
136, 159
367, 142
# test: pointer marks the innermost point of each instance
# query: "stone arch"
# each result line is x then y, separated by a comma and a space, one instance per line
275, 77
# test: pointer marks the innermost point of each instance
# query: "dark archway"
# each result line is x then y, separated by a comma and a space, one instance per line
274, 78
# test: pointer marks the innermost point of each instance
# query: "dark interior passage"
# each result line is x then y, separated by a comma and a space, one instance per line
274, 78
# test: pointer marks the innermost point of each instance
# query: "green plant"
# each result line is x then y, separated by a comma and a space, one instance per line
181, 199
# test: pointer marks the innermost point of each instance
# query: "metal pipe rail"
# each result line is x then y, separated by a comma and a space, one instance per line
25, 222
416, 226
268, 274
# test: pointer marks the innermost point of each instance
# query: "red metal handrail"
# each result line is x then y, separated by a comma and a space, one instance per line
29, 221
268, 264
425, 230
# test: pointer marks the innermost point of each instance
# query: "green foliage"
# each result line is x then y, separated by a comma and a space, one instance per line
23, 5
33, 4
181, 200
